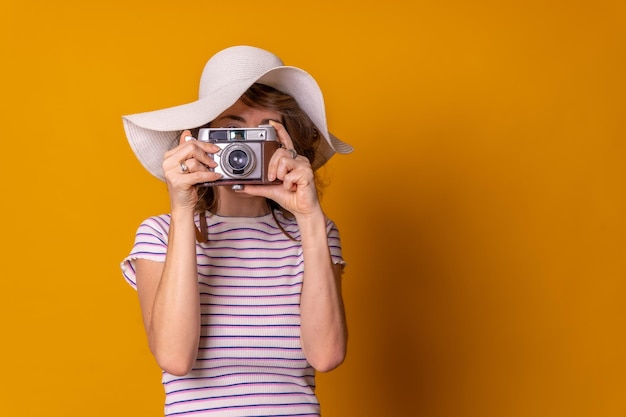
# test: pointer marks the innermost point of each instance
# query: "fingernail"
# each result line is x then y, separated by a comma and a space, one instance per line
188, 138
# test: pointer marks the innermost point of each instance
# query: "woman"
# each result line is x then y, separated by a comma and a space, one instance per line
240, 289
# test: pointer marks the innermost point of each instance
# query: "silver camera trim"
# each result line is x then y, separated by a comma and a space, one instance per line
250, 140
249, 169
236, 134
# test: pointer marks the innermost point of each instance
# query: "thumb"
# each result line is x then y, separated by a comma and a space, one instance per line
267, 191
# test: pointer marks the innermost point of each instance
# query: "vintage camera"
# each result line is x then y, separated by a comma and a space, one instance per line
244, 155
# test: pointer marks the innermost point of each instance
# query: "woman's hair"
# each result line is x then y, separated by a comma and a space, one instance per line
301, 129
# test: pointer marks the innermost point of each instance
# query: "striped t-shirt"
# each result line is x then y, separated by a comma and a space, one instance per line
250, 361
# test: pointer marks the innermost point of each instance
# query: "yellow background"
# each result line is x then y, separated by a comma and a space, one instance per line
482, 213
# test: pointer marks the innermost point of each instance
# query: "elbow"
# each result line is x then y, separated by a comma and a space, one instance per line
175, 366
174, 356
328, 361
328, 365
175, 361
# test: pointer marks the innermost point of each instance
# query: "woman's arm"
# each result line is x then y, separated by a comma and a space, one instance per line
323, 325
324, 332
170, 301
168, 293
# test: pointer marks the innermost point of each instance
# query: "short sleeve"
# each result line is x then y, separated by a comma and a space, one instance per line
150, 243
334, 243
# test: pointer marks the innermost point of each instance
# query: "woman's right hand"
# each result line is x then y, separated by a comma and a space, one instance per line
185, 166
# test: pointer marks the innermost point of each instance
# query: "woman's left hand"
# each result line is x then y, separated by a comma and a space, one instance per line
297, 193
323, 324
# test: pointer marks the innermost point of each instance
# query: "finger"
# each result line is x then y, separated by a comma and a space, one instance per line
188, 149
185, 137
190, 172
277, 166
284, 163
200, 177
268, 191
297, 178
190, 165
199, 149
282, 135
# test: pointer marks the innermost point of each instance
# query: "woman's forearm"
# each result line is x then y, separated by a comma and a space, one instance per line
174, 330
323, 323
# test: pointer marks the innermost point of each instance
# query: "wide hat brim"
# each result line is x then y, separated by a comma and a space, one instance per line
225, 78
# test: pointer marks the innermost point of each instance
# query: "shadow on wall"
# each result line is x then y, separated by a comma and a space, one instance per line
414, 321
434, 301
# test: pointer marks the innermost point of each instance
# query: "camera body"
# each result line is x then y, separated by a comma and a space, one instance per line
244, 153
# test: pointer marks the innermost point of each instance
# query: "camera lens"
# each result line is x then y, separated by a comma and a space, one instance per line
238, 160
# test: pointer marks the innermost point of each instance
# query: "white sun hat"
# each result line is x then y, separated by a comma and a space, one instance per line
226, 77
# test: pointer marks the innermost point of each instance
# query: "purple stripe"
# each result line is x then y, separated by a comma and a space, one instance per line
250, 318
